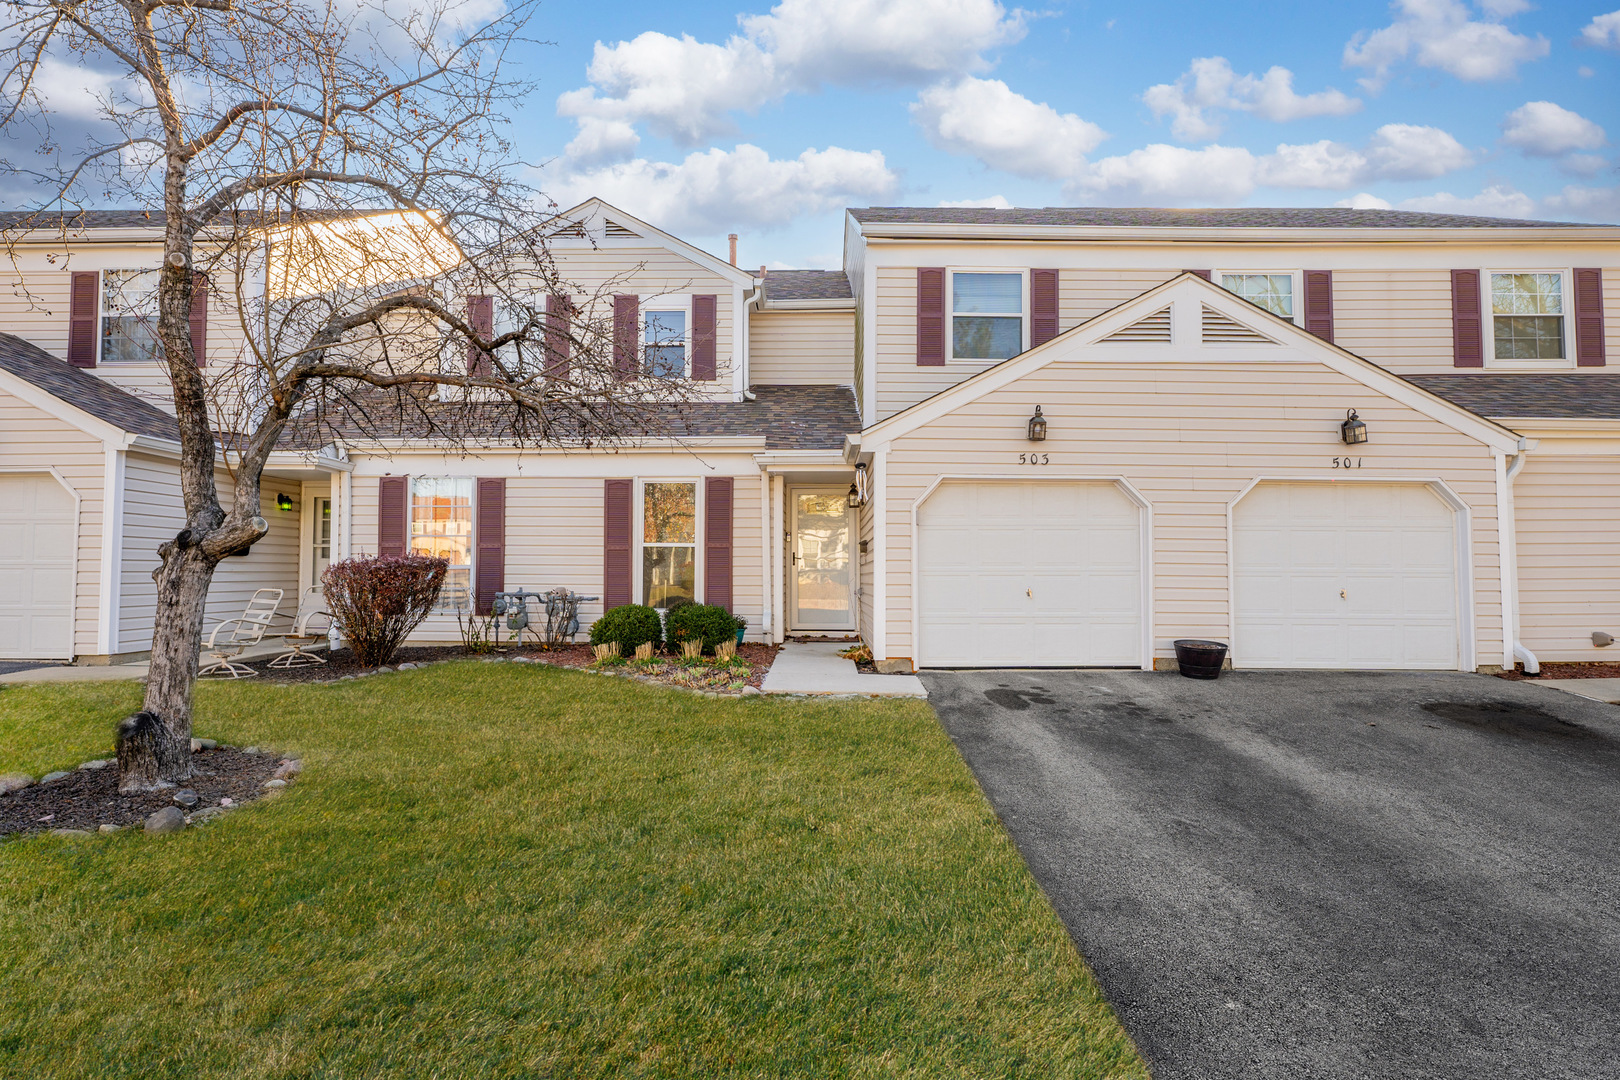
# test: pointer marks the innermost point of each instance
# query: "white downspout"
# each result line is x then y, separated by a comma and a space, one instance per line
767, 627
1532, 666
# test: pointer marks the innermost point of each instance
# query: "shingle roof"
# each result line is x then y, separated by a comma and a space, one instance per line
806, 285
79, 388
1287, 217
1531, 394
786, 417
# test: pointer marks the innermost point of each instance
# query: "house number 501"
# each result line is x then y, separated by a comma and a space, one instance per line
1347, 463
1034, 459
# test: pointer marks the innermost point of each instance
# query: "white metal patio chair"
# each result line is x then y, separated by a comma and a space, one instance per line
234, 636
311, 626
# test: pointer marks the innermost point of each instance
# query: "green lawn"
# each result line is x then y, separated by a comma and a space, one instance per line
494, 870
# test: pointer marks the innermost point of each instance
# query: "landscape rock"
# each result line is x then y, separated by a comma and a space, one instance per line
186, 798
287, 769
206, 744
95, 766
167, 820
108, 828
69, 832
57, 775
15, 782
273, 785
207, 814
383, 670
251, 750
751, 691
227, 802
407, 666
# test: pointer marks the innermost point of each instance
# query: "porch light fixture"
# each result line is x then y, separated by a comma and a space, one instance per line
1037, 426
1353, 431
860, 491
283, 502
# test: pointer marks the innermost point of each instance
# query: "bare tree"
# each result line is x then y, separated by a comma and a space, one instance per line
341, 173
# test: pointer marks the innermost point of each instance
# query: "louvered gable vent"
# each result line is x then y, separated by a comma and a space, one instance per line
1155, 328
616, 231
1221, 329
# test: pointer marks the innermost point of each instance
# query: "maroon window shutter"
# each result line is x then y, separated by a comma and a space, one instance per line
930, 316
626, 336
481, 318
616, 526
84, 296
199, 318
489, 531
717, 504
1207, 275
1467, 327
1319, 303
704, 318
1043, 306
559, 313
393, 515
1589, 345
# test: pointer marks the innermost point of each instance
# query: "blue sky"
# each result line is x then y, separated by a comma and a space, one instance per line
713, 118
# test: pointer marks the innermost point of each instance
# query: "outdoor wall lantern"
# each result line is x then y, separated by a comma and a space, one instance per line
860, 491
1353, 431
1037, 426
283, 502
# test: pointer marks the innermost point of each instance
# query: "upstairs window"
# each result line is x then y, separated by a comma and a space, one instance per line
663, 335
442, 526
129, 317
668, 543
1274, 292
987, 316
1527, 316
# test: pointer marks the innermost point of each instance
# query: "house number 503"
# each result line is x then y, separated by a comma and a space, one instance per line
1034, 459
1347, 463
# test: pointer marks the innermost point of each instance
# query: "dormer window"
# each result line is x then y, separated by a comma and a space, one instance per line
129, 317
987, 315
663, 335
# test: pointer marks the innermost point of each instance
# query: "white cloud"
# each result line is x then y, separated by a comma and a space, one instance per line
1500, 200
1585, 204
982, 118
1413, 152
1441, 34
601, 140
994, 202
1162, 173
685, 89
713, 190
1583, 164
1603, 31
1543, 129
1209, 83
1364, 201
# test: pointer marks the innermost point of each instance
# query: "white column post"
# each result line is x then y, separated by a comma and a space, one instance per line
112, 549
880, 557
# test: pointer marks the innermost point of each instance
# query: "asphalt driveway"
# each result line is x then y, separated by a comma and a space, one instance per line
1312, 875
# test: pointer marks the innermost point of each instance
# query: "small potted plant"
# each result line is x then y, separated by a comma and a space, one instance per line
742, 628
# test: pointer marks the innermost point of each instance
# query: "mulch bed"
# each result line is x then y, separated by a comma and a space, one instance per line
343, 663
86, 799
1566, 670
672, 671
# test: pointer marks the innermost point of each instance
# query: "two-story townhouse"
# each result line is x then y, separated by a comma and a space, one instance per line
993, 438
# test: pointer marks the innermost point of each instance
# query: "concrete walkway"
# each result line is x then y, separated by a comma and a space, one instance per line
814, 667
77, 673
1605, 690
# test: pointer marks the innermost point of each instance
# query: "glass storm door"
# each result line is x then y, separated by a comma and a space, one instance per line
822, 568
321, 548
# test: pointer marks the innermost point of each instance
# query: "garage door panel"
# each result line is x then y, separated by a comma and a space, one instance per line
1015, 573
36, 567
1344, 575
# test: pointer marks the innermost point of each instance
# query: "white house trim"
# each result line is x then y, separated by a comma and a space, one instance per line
112, 549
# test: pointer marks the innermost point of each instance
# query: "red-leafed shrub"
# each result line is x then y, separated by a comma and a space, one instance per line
378, 602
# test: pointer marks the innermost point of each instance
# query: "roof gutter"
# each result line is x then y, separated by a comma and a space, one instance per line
1135, 234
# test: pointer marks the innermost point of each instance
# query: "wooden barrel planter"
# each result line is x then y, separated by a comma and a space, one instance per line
1198, 659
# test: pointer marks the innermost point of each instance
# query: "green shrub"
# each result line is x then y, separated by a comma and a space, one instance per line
631, 626
702, 622
675, 603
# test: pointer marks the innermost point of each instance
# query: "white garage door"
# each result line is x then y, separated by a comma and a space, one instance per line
1345, 575
36, 568
1015, 574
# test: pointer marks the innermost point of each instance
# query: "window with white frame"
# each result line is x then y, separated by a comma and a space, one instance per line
129, 317
663, 338
987, 315
1527, 316
668, 542
1274, 292
442, 526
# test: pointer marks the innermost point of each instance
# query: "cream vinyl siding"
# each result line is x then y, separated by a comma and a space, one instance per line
1086, 292
1190, 437
1399, 319
154, 512
31, 439
645, 271
1568, 511
805, 347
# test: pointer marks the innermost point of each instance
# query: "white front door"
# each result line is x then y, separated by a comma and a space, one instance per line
37, 539
822, 571
320, 553
1344, 575
1040, 574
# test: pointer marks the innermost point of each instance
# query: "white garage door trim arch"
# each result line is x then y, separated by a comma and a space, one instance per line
78, 515
1145, 645
1463, 535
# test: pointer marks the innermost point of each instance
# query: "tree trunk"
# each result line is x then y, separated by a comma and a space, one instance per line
163, 756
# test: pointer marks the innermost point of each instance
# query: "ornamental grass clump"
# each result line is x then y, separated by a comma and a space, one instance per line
631, 626
705, 625
377, 602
